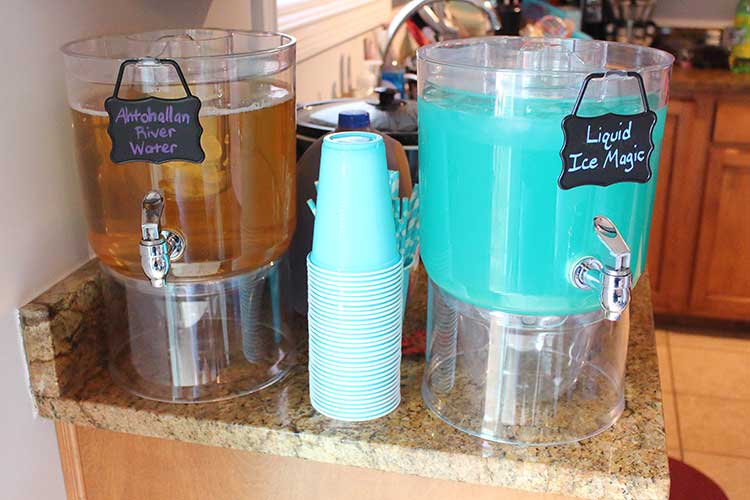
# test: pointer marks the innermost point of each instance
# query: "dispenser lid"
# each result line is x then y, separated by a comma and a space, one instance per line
387, 113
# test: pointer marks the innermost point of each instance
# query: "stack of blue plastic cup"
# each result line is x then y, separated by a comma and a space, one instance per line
355, 282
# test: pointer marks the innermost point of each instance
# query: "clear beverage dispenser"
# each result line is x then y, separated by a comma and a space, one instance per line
186, 153
538, 163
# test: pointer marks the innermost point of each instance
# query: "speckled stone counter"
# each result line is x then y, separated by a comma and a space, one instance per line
62, 334
719, 81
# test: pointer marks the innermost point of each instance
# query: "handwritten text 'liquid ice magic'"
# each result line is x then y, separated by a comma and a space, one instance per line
617, 150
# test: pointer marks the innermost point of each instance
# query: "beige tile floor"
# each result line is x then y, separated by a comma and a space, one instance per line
705, 381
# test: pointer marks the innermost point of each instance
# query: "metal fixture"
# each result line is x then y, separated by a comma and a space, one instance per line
613, 281
159, 247
435, 18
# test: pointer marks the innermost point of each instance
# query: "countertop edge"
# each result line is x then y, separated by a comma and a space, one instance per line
56, 325
330, 449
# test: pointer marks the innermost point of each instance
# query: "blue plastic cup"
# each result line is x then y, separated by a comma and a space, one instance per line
348, 402
351, 303
354, 313
353, 355
355, 277
357, 415
367, 344
354, 229
348, 378
371, 376
389, 383
333, 292
354, 336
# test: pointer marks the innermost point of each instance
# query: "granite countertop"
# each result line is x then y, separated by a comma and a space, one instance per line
62, 334
722, 81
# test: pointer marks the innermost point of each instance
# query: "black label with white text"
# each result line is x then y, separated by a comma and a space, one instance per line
154, 129
607, 149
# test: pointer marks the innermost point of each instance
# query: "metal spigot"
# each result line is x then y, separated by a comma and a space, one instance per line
159, 248
613, 281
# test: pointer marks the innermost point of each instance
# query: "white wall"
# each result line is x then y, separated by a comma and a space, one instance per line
41, 214
695, 12
41, 210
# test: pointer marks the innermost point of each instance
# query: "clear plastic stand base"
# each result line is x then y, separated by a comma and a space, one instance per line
525, 380
199, 341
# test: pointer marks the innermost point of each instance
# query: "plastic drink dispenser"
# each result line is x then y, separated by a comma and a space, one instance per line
538, 166
185, 142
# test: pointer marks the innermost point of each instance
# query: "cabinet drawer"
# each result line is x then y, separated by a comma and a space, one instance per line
732, 122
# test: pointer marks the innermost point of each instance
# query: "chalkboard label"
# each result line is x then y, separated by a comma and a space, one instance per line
154, 129
607, 149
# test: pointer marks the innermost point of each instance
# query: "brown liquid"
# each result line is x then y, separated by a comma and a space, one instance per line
236, 209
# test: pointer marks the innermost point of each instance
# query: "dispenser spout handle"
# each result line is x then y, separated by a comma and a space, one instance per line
612, 281
612, 239
153, 206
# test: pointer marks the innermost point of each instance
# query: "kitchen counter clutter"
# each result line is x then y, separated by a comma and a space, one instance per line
65, 347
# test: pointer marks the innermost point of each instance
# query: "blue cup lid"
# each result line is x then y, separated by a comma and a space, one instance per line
354, 119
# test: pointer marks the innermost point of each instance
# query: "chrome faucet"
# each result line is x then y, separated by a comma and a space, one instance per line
435, 19
159, 247
613, 281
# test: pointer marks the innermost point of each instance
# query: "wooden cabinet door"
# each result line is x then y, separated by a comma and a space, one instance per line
676, 118
721, 283
105, 465
677, 208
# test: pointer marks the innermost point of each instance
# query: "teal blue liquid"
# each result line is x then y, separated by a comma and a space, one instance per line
496, 230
